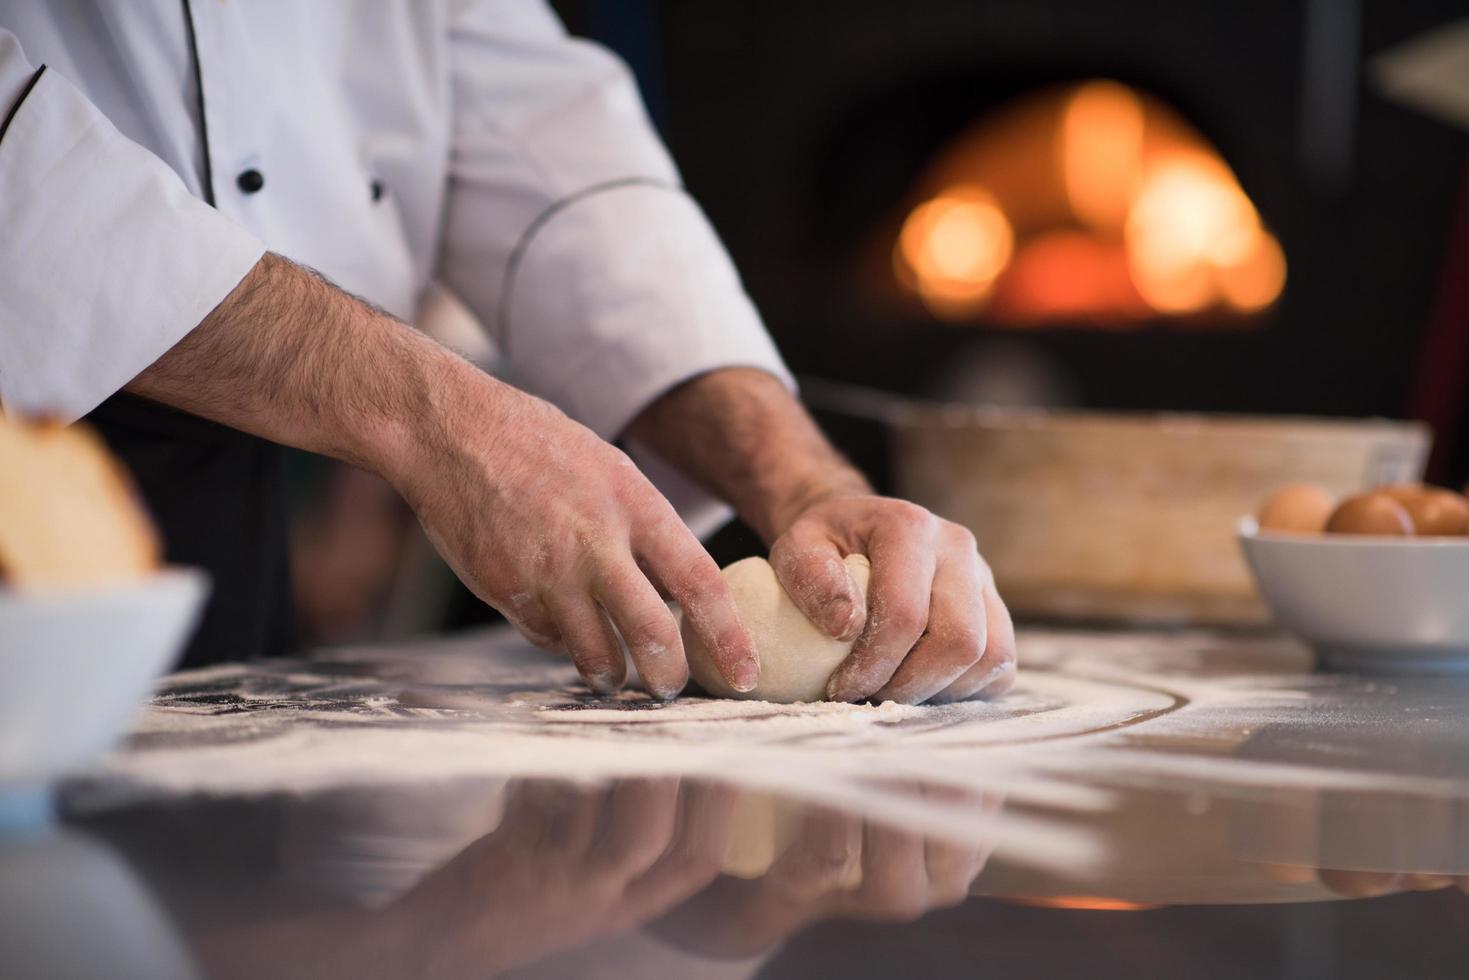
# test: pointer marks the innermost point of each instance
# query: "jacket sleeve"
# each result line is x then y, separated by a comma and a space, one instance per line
568, 232
106, 260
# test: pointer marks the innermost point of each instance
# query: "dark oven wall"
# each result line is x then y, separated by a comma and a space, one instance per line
800, 126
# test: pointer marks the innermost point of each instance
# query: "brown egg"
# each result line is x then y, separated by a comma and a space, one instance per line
1370, 513
1301, 508
1438, 512
1404, 492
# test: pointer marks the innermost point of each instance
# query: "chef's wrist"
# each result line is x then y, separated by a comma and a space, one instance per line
784, 509
744, 436
451, 405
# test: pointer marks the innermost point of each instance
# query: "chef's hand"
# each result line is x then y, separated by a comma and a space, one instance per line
562, 533
838, 866
541, 518
1375, 884
932, 627
566, 865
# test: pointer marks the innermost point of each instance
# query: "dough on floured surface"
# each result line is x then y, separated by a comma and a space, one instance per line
762, 827
796, 657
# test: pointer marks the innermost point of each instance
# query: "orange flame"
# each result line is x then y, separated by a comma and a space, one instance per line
953, 248
1102, 152
1170, 229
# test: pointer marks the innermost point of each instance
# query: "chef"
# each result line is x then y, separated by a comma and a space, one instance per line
217, 219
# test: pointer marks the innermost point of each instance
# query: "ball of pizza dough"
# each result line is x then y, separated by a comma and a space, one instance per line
796, 657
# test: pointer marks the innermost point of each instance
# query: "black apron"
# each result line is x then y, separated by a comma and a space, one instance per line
219, 498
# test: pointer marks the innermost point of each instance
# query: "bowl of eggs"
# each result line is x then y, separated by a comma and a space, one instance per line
1376, 582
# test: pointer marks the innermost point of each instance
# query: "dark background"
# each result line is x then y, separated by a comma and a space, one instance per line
801, 126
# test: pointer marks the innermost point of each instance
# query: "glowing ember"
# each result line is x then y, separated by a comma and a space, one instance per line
1191, 231
1257, 277
1102, 152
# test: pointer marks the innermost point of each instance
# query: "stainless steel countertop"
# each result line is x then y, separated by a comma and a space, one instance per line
1143, 804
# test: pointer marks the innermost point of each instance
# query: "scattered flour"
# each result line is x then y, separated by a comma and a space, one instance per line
1091, 715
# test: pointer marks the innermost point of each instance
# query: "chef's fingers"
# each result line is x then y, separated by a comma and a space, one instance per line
954, 865
894, 875
1422, 881
693, 857
994, 674
681, 566
825, 856
647, 627
954, 640
638, 822
903, 557
588, 637
809, 567
952, 868
556, 818
528, 615
1360, 884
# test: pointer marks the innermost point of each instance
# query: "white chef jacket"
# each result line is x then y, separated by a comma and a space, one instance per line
393, 142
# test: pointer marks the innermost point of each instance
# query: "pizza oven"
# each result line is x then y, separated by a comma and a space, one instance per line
1135, 206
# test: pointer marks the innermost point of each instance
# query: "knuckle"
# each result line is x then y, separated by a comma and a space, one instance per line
698, 580
652, 632
901, 621
960, 537
906, 518
701, 866
955, 660
787, 561
913, 517
999, 648
699, 569
967, 639
827, 569
819, 578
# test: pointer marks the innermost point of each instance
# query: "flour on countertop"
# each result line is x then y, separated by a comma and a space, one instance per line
1090, 714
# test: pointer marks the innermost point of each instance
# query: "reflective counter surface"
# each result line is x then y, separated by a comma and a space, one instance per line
1169, 804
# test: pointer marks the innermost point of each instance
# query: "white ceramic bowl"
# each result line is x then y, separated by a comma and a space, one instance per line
1378, 604
75, 666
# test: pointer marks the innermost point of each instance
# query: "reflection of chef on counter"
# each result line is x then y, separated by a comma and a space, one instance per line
172, 174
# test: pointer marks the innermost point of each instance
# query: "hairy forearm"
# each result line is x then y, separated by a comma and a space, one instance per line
744, 437
290, 357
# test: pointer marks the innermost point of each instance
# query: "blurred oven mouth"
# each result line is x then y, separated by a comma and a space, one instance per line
1090, 204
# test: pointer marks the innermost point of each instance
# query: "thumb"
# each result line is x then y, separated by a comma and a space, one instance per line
809, 567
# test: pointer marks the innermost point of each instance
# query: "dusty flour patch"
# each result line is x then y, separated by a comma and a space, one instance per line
708, 709
1091, 714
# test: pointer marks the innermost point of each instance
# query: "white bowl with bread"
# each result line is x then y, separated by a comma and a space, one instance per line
88, 617
1377, 582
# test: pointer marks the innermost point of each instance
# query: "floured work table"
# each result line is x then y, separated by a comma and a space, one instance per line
1171, 804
